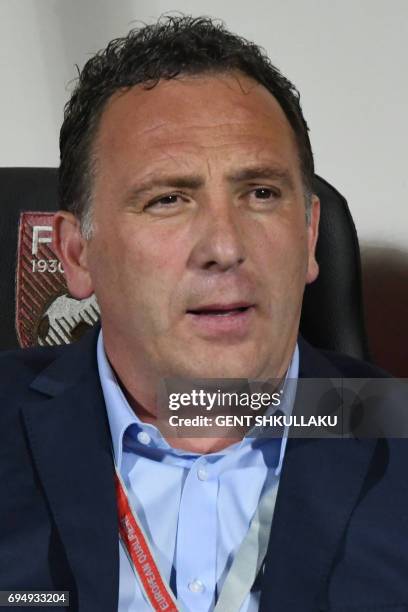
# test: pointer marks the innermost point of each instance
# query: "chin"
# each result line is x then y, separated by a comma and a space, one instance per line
197, 359
223, 368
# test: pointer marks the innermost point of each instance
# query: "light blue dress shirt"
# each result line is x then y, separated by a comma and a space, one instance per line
195, 509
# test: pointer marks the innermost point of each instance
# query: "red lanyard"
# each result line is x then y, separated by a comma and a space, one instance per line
241, 576
141, 557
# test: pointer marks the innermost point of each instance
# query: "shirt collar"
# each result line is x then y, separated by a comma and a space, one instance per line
121, 416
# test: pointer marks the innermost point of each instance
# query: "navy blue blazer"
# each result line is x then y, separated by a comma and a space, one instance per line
339, 539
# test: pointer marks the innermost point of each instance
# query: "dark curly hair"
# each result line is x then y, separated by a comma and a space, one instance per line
172, 46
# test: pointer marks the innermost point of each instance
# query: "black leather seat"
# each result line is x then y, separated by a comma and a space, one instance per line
332, 312
332, 315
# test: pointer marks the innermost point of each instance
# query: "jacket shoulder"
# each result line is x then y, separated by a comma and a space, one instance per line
321, 363
354, 368
20, 366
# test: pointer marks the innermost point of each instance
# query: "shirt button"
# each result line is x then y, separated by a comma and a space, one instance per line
196, 586
202, 473
143, 437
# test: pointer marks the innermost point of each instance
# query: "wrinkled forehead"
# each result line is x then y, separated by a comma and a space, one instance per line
198, 106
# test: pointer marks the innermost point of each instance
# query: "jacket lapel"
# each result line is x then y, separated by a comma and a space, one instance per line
69, 436
319, 486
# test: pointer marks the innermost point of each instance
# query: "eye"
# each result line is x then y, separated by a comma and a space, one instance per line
265, 193
261, 198
166, 201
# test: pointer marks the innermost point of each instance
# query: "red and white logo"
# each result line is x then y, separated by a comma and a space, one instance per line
46, 313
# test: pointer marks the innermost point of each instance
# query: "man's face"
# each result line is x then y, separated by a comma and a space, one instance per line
200, 251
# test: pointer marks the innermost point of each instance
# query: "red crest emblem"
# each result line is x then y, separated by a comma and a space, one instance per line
46, 314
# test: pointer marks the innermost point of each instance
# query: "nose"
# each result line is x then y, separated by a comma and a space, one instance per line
219, 244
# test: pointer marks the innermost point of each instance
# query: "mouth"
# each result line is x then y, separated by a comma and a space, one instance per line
231, 319
221, 310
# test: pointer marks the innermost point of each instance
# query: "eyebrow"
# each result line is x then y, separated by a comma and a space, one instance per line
173, 181
196, 181
263, 172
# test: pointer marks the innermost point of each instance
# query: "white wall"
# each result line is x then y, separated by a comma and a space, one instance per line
348, 58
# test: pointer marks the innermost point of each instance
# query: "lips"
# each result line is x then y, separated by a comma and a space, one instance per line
221, 310
229, 321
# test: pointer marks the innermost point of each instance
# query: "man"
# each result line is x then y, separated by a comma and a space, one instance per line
186, 189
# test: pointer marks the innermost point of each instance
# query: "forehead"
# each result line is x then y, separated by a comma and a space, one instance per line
211, 115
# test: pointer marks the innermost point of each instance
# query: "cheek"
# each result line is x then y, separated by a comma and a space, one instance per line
145, 266
156, 254
282, 263
281, 248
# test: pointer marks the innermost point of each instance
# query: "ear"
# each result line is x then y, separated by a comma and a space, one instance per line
72, 249
313, 233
